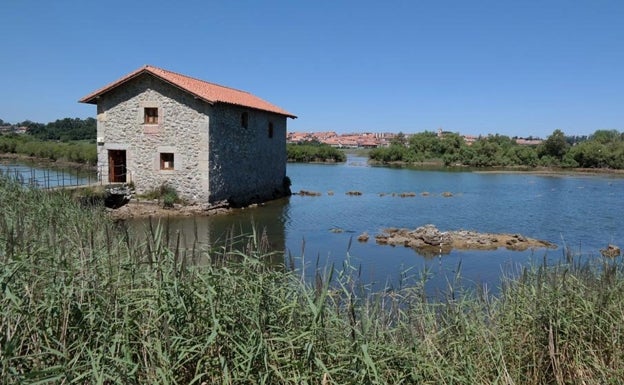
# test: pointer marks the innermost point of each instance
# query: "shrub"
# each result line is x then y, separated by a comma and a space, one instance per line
165, 193
169, 199
314, 153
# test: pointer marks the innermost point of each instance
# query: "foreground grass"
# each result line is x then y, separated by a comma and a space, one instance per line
83, 302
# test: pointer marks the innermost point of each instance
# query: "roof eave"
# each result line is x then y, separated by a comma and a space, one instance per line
92, 98
282, 113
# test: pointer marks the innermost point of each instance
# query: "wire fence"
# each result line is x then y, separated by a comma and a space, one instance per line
48, 178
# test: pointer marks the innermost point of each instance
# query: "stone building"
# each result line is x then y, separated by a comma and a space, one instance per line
211, 143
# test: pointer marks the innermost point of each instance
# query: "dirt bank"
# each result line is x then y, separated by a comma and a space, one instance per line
151, 208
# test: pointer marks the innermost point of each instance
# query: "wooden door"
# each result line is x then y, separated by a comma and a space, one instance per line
117, 166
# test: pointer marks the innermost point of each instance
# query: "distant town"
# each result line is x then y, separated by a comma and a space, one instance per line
374, 140
331, 138
12, 129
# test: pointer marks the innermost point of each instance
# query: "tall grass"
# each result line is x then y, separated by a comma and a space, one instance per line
82, 301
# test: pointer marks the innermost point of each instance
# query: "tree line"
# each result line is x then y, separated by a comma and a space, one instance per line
69, 139
64, 130
602, 149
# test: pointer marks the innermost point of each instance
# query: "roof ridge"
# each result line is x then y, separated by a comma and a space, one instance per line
147, 66
205, 90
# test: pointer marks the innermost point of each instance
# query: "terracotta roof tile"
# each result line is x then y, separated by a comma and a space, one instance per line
209, 92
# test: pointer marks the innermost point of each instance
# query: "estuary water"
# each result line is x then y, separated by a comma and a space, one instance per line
582, 213
46, 177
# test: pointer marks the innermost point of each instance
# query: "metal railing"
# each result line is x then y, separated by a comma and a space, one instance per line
49, 178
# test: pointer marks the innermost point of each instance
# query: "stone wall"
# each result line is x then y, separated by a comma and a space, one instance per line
246, 164
215, 158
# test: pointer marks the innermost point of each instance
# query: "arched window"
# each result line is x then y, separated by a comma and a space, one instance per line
270, 130
245, 120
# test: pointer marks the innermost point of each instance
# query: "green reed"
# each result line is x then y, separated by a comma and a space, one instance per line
83, 301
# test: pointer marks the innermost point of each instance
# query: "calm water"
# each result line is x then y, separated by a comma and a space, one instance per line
46, 177
583, 212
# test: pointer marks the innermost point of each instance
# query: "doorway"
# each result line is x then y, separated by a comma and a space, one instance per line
117, 166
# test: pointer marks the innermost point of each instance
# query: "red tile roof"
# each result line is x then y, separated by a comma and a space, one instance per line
209, 92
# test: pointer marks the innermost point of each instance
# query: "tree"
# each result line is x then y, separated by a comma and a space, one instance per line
66, 129
591, 154
555, 145
451, 143
606, 136
425, 143
523, 155
400, 139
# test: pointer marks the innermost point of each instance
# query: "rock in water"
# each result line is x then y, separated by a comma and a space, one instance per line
428, 239
610, 251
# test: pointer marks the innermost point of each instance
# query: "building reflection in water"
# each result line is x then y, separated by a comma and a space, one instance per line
198, 237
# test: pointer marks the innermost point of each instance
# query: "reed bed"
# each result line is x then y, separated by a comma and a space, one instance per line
84, 302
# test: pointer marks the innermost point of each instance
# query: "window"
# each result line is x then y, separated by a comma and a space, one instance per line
166, 161
244, 120
151, 115
270, 130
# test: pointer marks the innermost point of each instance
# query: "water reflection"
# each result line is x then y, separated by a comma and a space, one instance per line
261, 228
322, 231
580, 212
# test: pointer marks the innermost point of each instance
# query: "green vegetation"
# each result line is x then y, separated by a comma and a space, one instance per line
71, 140
65, 130
314, 152
84, 301
603, 149
78, 152
165, 193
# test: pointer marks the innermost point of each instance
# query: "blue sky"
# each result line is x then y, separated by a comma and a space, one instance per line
517, 68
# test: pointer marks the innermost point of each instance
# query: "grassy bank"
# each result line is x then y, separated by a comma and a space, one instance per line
82, 301
78, 152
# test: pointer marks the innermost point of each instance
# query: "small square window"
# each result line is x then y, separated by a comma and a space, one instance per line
151, 115
166, 161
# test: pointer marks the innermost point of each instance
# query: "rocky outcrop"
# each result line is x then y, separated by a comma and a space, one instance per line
611, 251
429, 240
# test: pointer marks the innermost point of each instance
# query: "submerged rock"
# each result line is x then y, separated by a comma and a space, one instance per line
308, 193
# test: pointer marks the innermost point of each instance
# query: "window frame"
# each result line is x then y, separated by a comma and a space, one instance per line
151, 115
165, 157
270, 130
